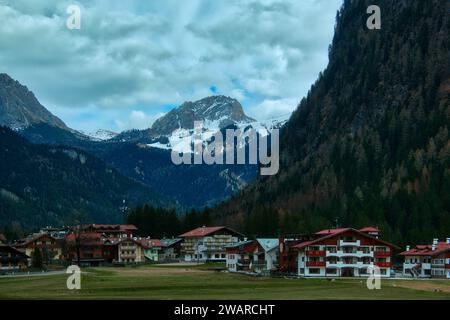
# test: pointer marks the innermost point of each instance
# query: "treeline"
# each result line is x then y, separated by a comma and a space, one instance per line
159, 222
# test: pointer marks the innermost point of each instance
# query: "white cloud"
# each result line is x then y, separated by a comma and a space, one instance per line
269, 109
130, 54
137, 120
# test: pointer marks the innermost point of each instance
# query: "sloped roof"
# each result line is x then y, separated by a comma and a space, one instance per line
427, 250
268, 244
238, 244
204, 231
170, 242
32, 238
330, 231
12, 250
112, 227
340, 231
369, 229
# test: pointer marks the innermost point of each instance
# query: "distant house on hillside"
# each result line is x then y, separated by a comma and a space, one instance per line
12, 259
427, 261
207, 244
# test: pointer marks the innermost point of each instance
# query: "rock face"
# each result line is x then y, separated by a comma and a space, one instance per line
19, 108
220, 110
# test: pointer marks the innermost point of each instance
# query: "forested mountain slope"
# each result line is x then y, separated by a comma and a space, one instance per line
48, 185
370, 144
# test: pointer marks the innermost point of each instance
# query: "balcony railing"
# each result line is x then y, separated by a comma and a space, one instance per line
383, 264
382, 254
315, 253
348, 243
315, 263
357, 254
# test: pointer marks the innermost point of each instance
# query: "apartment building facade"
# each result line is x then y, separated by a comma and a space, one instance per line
344, 252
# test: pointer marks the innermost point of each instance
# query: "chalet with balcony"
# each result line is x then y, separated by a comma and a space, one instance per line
51, 248
131, 250
239, 256
256, 256
344, 252
427, 261
206, 244
12, 259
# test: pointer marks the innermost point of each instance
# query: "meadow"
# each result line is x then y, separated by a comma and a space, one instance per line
192, 282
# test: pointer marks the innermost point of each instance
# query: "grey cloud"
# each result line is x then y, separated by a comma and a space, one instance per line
138, 55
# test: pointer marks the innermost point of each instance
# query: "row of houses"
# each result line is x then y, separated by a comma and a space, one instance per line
90, 245
340, 252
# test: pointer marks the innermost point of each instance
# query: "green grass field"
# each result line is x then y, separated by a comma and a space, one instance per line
156, 282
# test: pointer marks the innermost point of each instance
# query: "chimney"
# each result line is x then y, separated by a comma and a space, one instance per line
408, 248
435, 242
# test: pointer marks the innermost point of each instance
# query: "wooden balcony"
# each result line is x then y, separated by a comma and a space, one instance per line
383, 264
382, 254
315, 263
315, 253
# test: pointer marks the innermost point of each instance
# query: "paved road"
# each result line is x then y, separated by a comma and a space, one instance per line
33, 274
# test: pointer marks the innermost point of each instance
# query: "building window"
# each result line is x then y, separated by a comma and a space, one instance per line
314, 271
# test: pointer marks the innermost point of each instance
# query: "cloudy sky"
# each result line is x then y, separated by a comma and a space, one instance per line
134, 60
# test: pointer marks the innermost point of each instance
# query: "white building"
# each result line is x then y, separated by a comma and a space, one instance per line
344, 252
207, 244
427, 261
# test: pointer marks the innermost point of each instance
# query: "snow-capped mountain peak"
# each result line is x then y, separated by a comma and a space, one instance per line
100, 135
218, 111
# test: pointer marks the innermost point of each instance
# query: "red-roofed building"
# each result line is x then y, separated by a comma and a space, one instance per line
98, 244
343, 252
95, 249
208, 243
240, 255
50, 248
425, 261
111, 230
